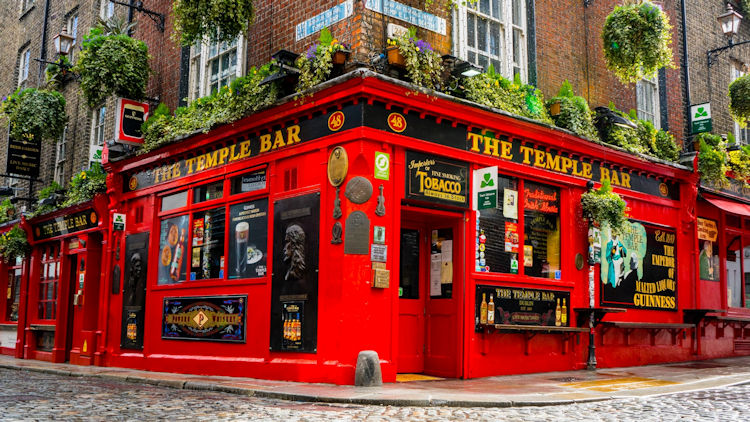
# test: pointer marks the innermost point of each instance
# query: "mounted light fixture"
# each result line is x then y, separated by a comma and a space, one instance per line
63, 43
730, 24
283, 61
460, 67
606, 117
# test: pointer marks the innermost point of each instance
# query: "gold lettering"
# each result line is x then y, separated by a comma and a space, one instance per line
506, 150
278, 141
615, 180
625, 179
474, 138
538, 158
176, 170
587, 171
223, 154
201, 162
265, 143
603, 174
292, 134
553, 162
245, 149
526, 151
189, 163
491, 146
211, 159
567, 163
232, 156
576, 172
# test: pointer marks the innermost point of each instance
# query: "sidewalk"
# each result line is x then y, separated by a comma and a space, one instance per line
545, 389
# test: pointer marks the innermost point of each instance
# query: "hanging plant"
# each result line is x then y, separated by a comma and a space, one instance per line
316, 64
572, 113
218, 20
739, 99
605, 207
56, 73
48, 191
112, 64
36, 113
7, 211
85, 185
712, 159
241, 98
423, 65
13, 243
637, 41
493, 90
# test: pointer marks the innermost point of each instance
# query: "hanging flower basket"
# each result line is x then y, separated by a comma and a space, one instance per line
637, 41
605, 207
36, 113
219, 20
395, 58
739, 99
340, 57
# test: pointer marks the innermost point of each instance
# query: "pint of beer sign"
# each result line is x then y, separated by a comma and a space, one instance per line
241, 233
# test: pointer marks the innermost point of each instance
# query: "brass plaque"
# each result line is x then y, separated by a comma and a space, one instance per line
358, 190
357, 235
378, 265
381, 278
338, 166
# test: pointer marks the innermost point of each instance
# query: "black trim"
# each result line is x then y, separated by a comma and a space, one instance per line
663, 106
531, 41
182, 89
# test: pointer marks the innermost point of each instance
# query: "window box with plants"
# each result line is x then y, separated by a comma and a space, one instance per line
317, 64
604, 207
422, 64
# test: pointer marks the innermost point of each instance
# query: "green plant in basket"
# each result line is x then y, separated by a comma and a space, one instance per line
573, 114
637, 39
35, 113
712, 159
423, 64
13, 243
85, 185
605, 207
739, 99
316, 64
218, 20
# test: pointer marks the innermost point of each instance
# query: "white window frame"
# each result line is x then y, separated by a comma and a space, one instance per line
24, 63
98, 136
26, 5
741, 135
61, 147
71, 26
648, 110
106, 9
507, 65
199, 84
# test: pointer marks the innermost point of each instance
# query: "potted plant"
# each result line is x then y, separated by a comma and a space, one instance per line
112, 64
739, 99
637, 38
572, 112
36, 113
317, 63
13, 243
85, 185
605, 207
423, 65
712, 159
218, 20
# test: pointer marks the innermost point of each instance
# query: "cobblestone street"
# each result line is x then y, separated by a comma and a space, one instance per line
26, 395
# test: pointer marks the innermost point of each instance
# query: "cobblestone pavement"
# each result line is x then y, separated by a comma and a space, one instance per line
26, 395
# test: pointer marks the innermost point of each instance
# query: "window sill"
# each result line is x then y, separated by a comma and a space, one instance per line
522, 281
8, 326
26, 12
212, 283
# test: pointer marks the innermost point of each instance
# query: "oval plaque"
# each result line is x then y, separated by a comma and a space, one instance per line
338, 166
358, 190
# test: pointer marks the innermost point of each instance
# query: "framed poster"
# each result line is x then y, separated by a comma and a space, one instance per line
248, 239
207, 318
173, 250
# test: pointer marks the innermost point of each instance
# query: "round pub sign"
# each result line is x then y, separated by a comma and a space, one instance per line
338, 166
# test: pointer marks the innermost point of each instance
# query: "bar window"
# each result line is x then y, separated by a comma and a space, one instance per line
207, 252
174, 201
541, 246
208, 192
248, 239
708, 250
172, 250
48, 282
249, 182
733, 263
499, 247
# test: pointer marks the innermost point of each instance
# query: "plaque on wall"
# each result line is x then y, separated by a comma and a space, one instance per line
358, 190
357, 236
338, 166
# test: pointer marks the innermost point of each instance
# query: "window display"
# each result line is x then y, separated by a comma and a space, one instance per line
172, 245
248, 239
207, 256
541, 231
499, 226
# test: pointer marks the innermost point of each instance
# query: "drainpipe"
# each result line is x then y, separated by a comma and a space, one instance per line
43, 53
686, 72
130, 17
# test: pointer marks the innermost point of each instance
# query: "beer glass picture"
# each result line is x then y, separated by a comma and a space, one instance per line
241, 233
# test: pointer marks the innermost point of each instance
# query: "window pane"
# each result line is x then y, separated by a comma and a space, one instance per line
496, 10
470, 30
172, 250
483, 62
248, 239
517, 12
408, 282
516, 46
176, 200
208, 192
500, 251
482, 34
484, 6
249, 182
440, 239
207, 256
541, 255
495, 38
734, 273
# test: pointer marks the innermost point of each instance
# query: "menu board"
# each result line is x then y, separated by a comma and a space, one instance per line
173, 249
639, 266
248, 239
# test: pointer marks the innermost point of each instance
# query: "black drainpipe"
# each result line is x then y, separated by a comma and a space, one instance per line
686, 71
43, 53
130, 16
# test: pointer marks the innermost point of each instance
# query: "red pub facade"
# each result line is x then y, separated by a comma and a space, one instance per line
445, 236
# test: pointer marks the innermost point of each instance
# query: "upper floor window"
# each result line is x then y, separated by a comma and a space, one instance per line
72, 28
24, 62
106, 9
26, 5
647, 100
493, 32
214, 65
98, 120
741, 135
60, 153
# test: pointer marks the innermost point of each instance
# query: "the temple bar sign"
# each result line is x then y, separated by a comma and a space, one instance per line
128, 120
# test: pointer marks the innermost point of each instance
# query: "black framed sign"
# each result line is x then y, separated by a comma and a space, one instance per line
24, 156
208, 318
437, 179
516, 306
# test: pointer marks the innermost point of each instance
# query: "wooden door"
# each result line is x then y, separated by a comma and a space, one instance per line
411, 320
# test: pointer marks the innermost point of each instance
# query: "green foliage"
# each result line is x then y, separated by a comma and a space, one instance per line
739, 99
54, 73
46, 192
13, 243
423, 64
112, 64
316, 64
575, 114
35, 113
85, 185
637, 38
605, 207
218, 20
644, 139
7, 211
712, 160
492, 90
665, 147
746, 5
242, 97
739, 163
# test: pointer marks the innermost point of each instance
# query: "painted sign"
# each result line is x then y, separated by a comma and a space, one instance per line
700, 118
436, 179
707, 229
208, 318
639, 267
23, 156
129, 117
72, 223
118, 222
382, 165
735, 188
324, 20
408, 14
485, 186
515, 306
